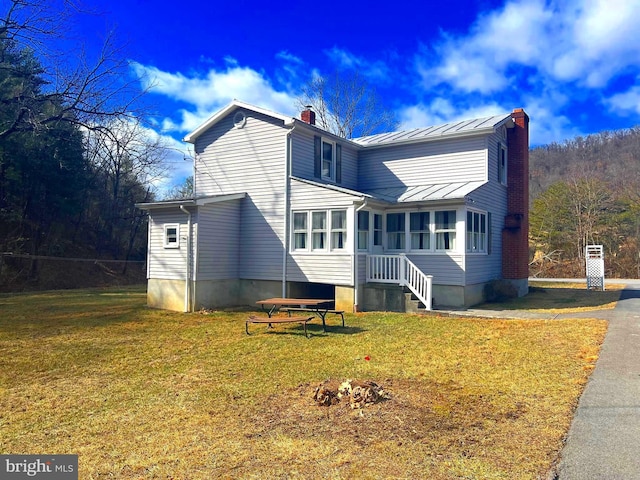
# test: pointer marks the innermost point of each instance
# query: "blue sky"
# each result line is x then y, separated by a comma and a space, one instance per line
573, 65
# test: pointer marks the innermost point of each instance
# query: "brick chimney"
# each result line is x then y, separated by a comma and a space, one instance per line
515, 236
308, 115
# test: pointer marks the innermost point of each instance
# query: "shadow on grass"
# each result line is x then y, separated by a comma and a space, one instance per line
558, 299
315, 330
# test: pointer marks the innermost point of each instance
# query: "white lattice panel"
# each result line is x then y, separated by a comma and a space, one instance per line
594, 255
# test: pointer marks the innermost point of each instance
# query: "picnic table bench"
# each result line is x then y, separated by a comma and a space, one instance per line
270, 320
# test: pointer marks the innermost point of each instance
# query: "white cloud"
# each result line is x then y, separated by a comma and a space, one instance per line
588, 42
373, 69
208, 93
441, 111
627, 102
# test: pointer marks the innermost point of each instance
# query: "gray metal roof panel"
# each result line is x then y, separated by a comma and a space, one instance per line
451, 129
421, 193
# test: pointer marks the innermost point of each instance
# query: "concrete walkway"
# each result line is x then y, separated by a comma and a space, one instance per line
604, 439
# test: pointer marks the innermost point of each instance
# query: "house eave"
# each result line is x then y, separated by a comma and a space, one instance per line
190, 202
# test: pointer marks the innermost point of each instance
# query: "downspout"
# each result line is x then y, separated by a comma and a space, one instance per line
187, 284
355, 259
287, 201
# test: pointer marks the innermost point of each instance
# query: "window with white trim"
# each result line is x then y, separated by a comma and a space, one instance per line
420, 231
300, 230
319, 230
476, 232
502, 164
445, 230
328, 159
172, 235
395, 231
338, 229
377, 230
363, 230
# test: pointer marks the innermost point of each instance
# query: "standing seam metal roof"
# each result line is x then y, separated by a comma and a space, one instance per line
464, 127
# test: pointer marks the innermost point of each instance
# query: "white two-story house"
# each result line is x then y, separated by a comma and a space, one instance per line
282, 208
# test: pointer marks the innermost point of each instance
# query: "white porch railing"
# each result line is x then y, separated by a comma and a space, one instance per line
400, 270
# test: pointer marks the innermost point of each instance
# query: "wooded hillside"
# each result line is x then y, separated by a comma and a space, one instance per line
74, 158
586, 191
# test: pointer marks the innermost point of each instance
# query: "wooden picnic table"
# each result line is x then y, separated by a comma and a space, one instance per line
317, 306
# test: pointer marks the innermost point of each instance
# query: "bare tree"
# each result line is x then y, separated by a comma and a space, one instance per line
68, 86
346, 106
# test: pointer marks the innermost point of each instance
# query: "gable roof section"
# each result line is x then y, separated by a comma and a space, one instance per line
216, 117
477, 126
462, 128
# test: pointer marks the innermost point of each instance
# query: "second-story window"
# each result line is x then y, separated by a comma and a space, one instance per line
327, 160
328, 149
502, 164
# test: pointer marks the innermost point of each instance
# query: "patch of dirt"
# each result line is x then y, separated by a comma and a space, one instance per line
410, 411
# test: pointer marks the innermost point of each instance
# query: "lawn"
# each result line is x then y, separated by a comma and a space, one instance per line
560, 297
140, 393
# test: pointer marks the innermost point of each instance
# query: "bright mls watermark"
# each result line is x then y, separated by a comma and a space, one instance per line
46, 467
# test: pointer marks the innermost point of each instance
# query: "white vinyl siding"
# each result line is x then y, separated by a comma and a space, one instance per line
303, 160
252, 160
490, 198
167, 263
218, 240
447, 161
322, 266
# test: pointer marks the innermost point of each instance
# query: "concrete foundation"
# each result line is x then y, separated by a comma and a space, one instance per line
344, 298
169, 294
166, 294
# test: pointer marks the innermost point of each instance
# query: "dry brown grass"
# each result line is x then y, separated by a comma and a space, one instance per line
139, 393
560, 297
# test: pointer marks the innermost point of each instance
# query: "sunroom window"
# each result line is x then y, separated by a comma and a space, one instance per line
300, 230
377, 230
319, 230
338, 229
363, 230
476, 232
395, 231
419, 229
446, 230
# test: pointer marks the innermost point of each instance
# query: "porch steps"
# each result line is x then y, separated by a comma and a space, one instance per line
412, 304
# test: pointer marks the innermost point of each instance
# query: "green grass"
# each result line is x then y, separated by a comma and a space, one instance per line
140, 393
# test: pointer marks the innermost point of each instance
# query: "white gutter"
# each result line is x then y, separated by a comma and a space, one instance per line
287, 201
355, 258
187, 284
